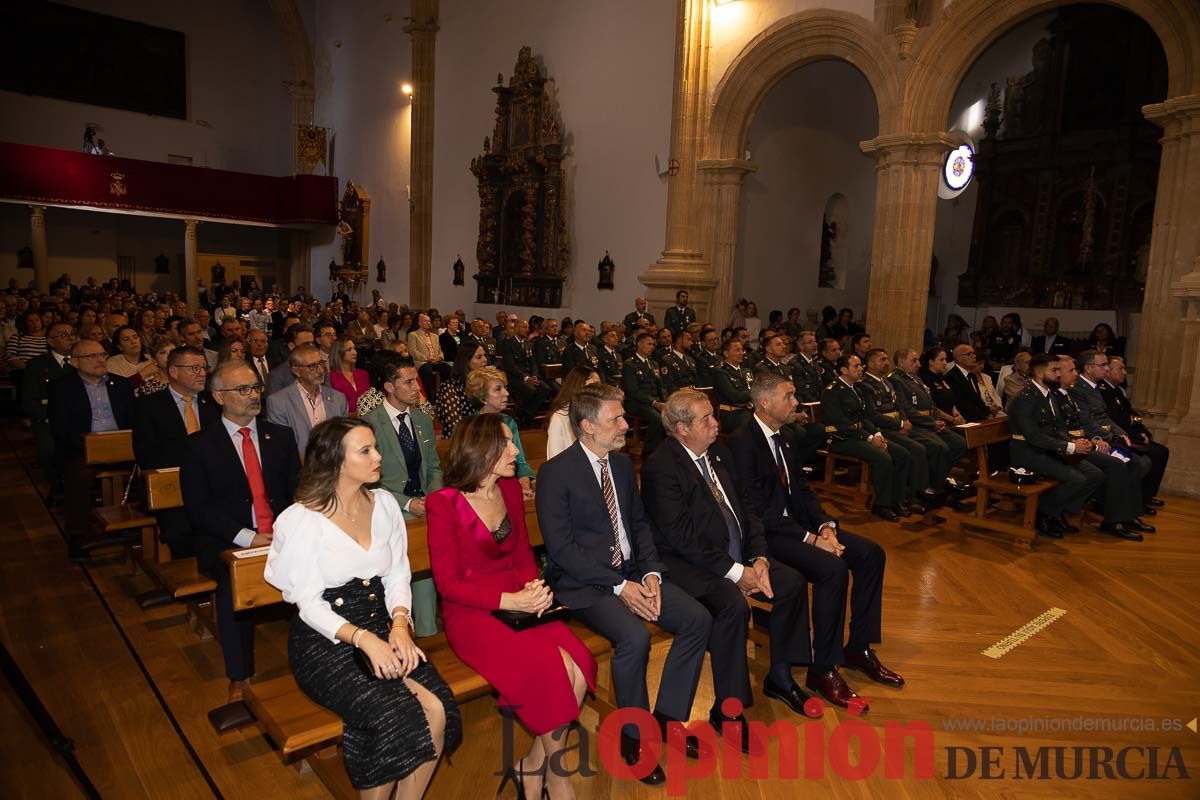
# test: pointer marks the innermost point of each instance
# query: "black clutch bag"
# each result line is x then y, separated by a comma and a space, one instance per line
523, 620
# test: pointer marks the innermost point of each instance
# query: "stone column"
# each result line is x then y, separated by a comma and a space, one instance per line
1183, 476
907, 174
423, 29
37, 238
1158, 387
682, 264
720, 211
191, 295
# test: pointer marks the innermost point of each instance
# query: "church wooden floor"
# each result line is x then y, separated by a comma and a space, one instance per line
131, 688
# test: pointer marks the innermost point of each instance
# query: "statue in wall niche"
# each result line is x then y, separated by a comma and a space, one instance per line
606, 268
933, 274
217, 274
1141, 261
162, 265
459, 271
827, 276
380, 271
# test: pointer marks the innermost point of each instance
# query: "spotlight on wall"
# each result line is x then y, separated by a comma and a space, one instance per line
406, 90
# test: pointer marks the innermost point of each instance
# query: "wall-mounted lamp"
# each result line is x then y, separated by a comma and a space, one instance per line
406, 89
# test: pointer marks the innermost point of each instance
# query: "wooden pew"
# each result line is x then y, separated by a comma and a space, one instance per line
300, 728
112, 454
979, 435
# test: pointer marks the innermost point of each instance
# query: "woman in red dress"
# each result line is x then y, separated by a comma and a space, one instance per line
481, 559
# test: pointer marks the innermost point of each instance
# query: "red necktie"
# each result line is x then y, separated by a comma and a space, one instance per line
258, 487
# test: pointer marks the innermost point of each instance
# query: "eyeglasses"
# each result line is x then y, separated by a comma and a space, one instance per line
65, 335
195, 369
244, 391
89, 356
314, 365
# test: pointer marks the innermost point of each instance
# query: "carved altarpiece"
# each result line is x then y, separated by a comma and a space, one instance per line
1067, 170
523, 253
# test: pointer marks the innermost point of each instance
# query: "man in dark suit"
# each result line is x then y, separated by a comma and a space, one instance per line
680, 315
965, 385
162, 423
240, 474
634, 318
281, 373
1050, 342
580, 352
530, 392
611, 361
714, 549
40, 372
85, 400
1123, 413
603, 564
800, 534
644, 393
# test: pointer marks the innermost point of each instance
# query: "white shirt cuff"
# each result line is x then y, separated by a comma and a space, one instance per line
244, 538
620, 587
1070, 448
648, 574
735, 572
808, 540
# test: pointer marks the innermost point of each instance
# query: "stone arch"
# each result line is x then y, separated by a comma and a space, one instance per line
966, 28
303, 84
787, 45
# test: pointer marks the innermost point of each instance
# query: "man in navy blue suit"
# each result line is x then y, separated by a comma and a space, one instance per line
604, 566
802, 535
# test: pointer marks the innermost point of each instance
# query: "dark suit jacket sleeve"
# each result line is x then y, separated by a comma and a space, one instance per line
671, 499
147, 438
63, 405
554, 508
642, 529
511, 351
207, 511
1022, 409
966, 400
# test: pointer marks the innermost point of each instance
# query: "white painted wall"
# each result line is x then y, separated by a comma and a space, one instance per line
361, 58
804, 140
239, 115
87, 243
612, 65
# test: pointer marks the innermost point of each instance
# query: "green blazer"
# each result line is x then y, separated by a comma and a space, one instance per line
394, 469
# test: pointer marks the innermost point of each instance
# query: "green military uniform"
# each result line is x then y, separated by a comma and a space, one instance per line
642, 381
679, 371
1121, 493
1040, 434
546, 351
765, 364
610, 363
944, 448
829, 372
807, 377
732, 385
487, 343
846, 420
40, 372
706, 362
884, 410
575, 356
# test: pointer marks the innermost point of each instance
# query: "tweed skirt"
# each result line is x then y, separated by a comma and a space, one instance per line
385, 734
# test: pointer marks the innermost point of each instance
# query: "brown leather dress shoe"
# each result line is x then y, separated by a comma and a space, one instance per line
833, 688
866, 662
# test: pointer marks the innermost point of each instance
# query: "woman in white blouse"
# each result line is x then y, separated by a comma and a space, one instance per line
559, 434
340, 553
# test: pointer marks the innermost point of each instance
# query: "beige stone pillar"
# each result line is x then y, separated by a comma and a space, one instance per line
720, 212
1158, 387
191, 294
41, 257
423, 29
907, 174
682, 264
1183, 474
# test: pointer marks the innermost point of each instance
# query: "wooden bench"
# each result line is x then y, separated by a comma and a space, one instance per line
553, 372
112, 454
300, 728
979, 435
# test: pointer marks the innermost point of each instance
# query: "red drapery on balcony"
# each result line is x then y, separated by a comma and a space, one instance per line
46, 175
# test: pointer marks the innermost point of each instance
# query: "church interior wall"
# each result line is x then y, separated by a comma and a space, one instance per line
612, 67
804, 140
238, 118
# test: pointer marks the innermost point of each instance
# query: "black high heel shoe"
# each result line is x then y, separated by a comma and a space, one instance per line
513, 775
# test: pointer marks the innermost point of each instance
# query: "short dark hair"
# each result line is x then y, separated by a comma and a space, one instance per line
1084, 358
826, 342
765, 383
681, 291
641, 336
474, 449
728, 343
1041, 361
180, 353
843, 362
874, 351
858, 337
290, 334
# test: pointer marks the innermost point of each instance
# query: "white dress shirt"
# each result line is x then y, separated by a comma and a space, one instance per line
244, 537
735, 572
626, 550
310, 554
1046, 393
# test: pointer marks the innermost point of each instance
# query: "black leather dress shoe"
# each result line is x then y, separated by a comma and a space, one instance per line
917, 507
631, 753
718, 720
1048, 526
1119, 530
883, 512
1136, 524
793, 696
1155, 502
691, 745
1149, 511
1064, 526
905, 510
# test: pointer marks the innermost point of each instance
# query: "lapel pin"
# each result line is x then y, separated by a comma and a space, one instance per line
266, 436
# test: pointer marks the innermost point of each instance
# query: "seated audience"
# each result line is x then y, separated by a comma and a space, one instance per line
341, 556
645, 396
131, 361
488, 387
39, 374
404, 436
160, 349
1104, 341
1122, 411
529, 391
426, 352
1050, 342
1017, 381
309, 402
604, 566
482, 561
453, 404
344, 375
